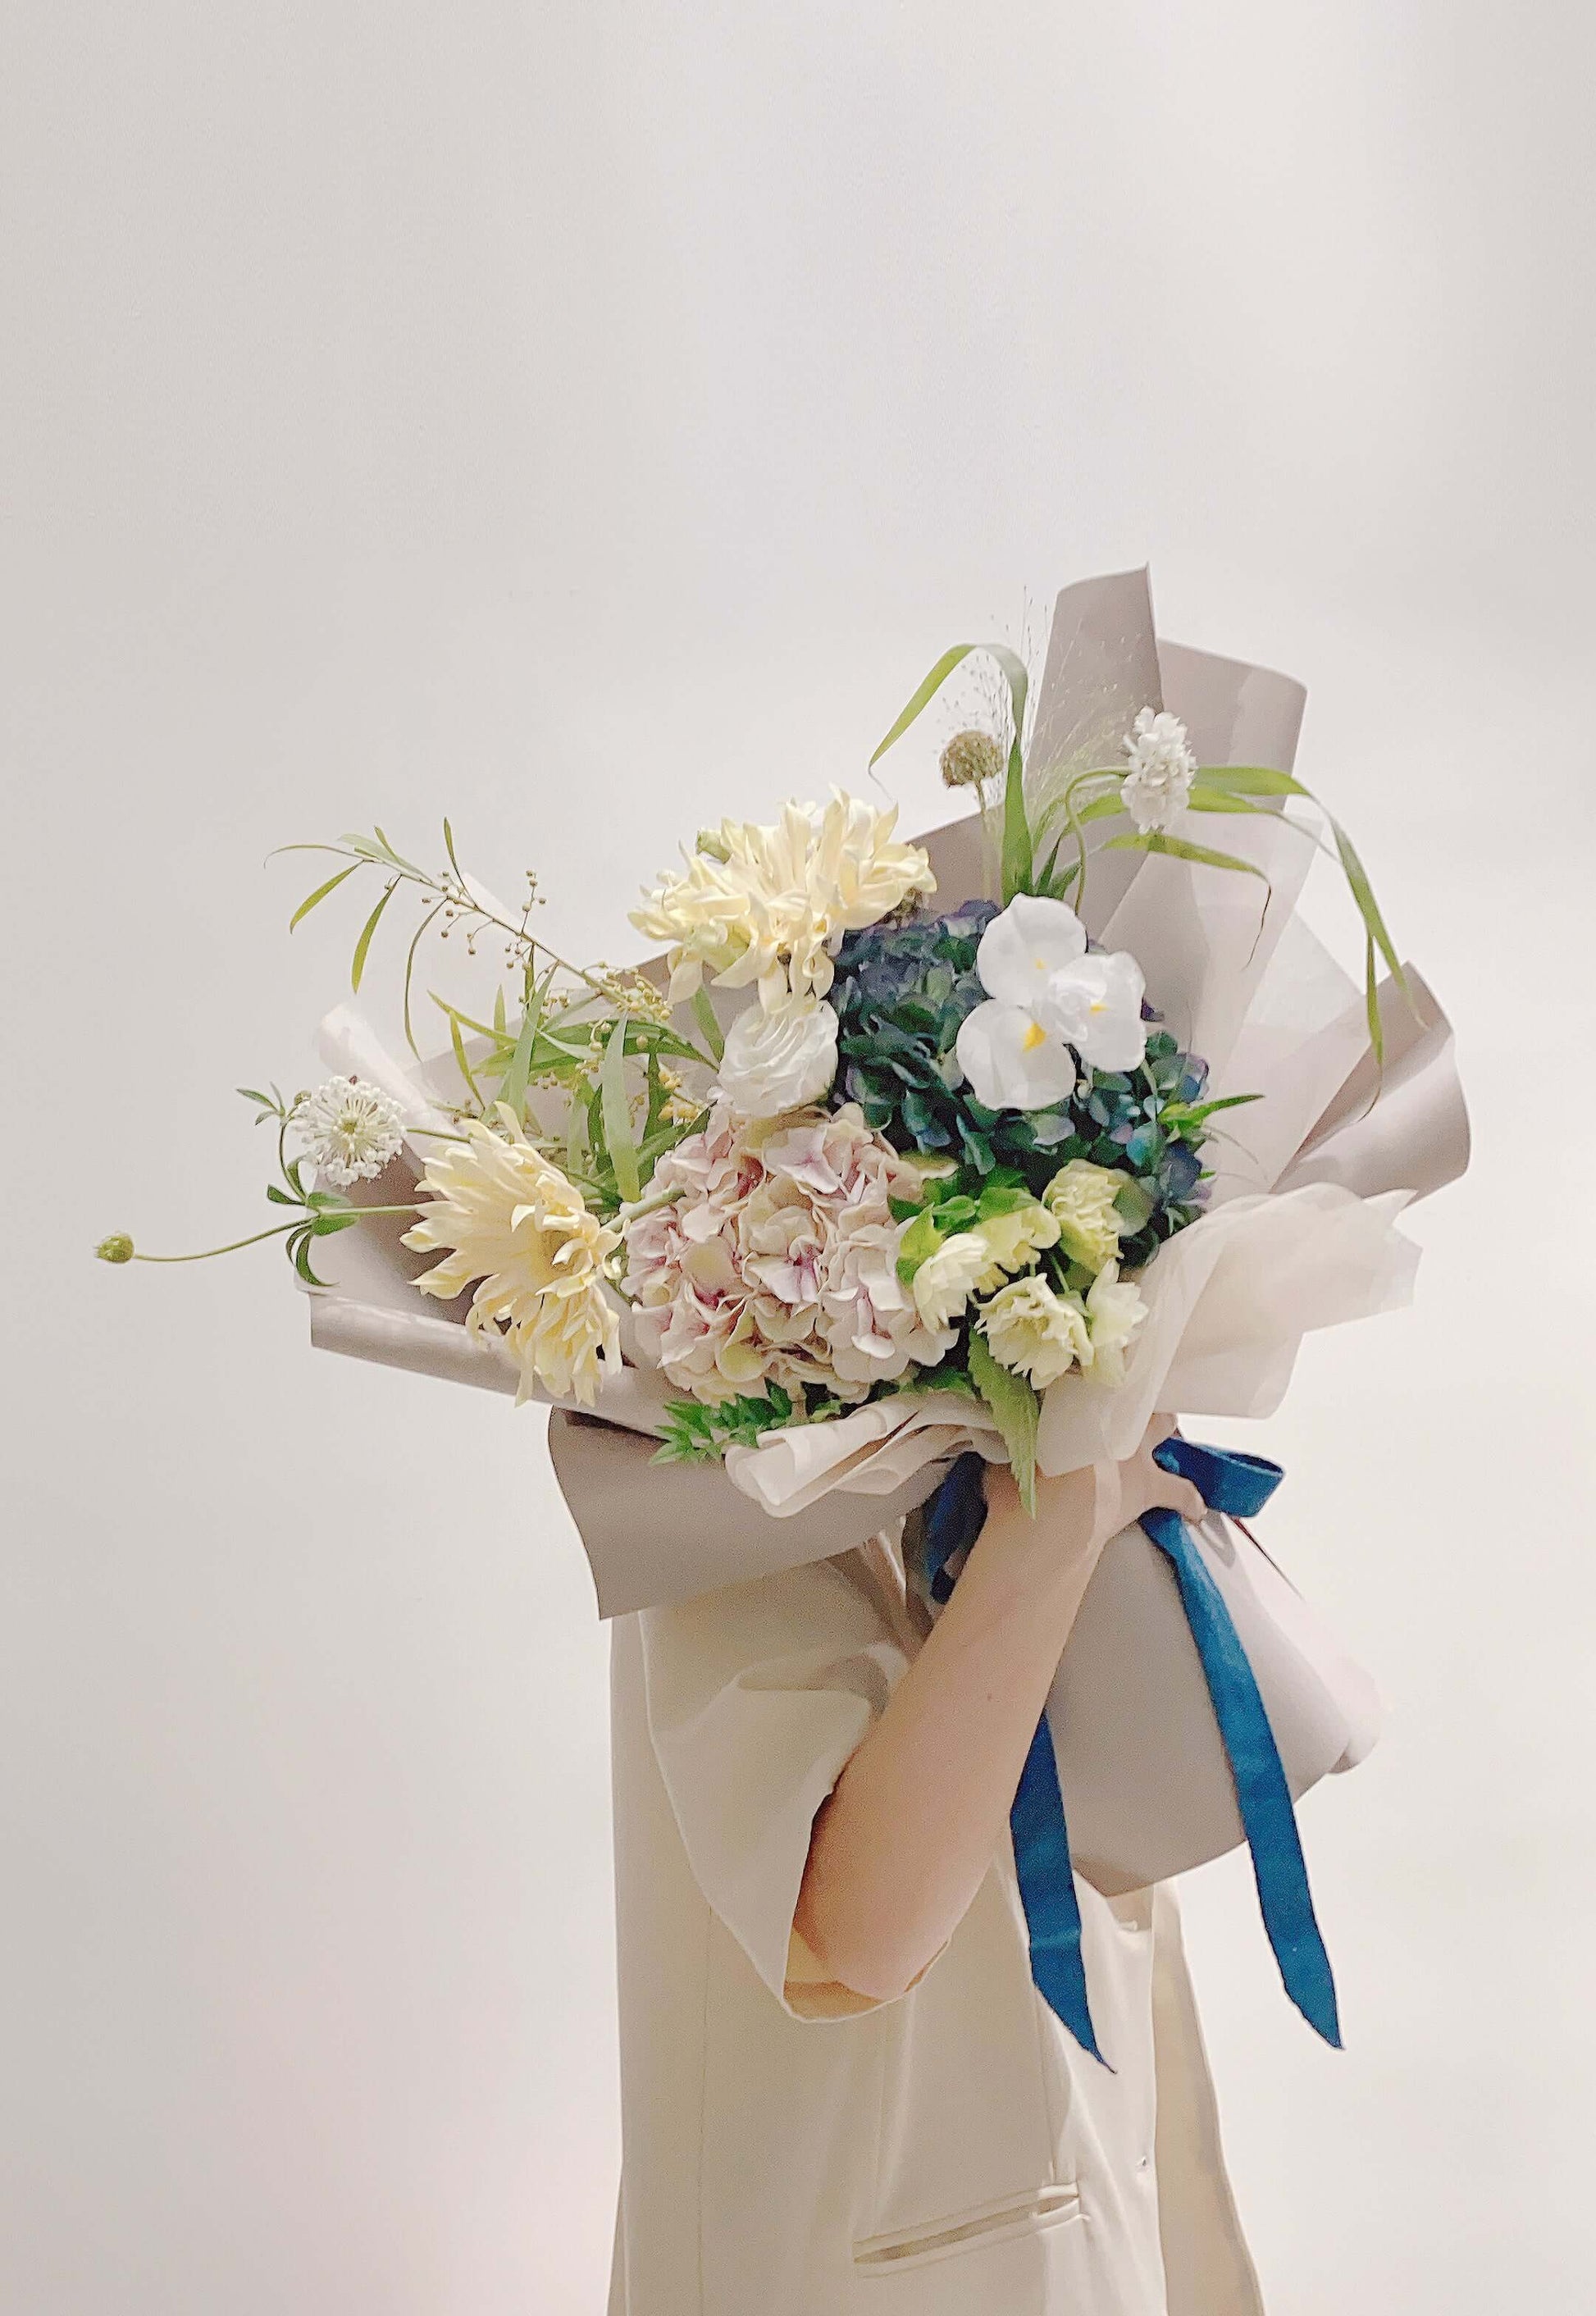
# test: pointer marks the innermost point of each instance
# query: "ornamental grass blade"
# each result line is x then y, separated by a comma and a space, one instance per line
617, 1115
1369, 907
1178, 849
1018, 864
1011, 665
1015, 1408
1249, 780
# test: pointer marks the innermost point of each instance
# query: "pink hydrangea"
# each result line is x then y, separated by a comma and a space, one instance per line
779, 1263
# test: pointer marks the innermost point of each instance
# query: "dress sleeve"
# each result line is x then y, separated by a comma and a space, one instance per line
757, 1698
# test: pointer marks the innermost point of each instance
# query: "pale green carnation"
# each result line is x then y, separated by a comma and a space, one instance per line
1035, 1331
1081, 1200
1012, 1241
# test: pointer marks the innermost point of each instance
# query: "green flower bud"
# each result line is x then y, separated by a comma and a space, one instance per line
116, 1248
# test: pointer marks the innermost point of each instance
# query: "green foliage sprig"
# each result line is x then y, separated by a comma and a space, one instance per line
603, 1044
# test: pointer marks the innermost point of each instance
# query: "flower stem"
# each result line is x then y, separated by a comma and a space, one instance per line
278, 1230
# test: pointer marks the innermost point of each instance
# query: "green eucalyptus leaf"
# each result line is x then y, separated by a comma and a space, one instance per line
320, 893
358, 965
703, 1010
617, 1115
513, 1087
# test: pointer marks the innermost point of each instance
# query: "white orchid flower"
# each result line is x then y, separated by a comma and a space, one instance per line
1009, 1057
1049, 1001
1095, 1005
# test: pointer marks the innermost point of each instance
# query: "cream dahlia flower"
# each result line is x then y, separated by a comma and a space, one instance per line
1080, 1198
766, 904
518, 1231
1035, 1331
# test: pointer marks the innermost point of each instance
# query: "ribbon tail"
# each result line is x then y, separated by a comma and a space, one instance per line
1262, 1793
1047, 1892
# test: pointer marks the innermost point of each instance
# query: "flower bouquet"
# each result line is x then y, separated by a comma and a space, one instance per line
996, 1143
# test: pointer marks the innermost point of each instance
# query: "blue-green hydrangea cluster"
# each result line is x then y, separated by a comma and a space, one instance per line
901, 993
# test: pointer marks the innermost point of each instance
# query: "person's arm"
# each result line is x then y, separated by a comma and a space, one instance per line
903, 1843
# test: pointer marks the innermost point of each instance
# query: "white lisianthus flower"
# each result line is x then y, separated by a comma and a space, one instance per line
349, 1130
1012, 1241
515, 1229
1095, 1005
1115, 1311
781, 1059
1162, 769
947, 1278
1080, 1198
1035, 1331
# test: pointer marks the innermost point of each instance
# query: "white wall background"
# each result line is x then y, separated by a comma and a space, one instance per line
590, 420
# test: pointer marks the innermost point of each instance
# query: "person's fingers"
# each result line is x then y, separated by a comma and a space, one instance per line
1175, 1495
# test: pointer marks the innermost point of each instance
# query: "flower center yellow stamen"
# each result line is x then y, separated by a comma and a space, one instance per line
1034, 1035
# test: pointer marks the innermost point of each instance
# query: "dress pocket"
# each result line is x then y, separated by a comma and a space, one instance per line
962, 2231
965, 2126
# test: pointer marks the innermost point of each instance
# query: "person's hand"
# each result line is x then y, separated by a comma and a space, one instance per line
1124, 1491
1077, 1513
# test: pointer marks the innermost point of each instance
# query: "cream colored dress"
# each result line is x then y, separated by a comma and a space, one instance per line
791, 2149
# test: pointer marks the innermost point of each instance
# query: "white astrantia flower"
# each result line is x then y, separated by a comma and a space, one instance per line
1162, 769
349, 1130
1033, 1331
780, 1060
947, 1278
1095, 1005
1049, 1001
1115, 1311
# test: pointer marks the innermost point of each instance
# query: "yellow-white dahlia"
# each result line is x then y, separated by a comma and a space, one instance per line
763, 905
518, 1231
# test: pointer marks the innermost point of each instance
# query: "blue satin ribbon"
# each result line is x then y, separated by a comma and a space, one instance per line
1237, 1485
